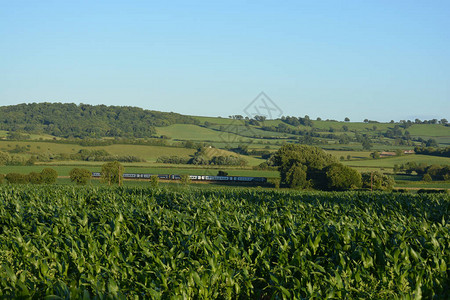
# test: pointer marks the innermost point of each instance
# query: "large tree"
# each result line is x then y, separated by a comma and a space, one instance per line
301, 166
112, 172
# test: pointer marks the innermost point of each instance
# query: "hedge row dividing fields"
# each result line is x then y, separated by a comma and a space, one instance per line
68, 242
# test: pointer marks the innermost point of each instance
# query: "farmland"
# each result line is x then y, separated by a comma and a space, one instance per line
221, 243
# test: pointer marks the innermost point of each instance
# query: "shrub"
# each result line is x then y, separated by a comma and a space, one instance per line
49, 175
427, 178
154, 181
341, 177
185, 179
16, 178
112, 172
35, 178
377, 181
80, 176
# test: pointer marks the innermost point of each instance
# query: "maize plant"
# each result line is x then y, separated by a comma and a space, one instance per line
67, 242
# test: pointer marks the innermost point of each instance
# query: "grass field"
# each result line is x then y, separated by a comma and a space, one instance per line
389, 162
429, 130
197, 133
63, 170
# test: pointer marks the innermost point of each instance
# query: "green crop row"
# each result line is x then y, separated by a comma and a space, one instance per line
138, 243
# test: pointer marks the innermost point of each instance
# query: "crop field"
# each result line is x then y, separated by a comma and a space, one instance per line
77, 242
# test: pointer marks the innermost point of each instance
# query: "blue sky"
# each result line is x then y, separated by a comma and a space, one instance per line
379, 60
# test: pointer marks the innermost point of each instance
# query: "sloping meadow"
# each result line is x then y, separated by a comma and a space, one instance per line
77, 242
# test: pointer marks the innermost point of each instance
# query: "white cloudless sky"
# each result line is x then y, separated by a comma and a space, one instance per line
379, 60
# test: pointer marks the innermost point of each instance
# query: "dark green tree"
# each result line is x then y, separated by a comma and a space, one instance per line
185, 179
154, 181
341, 177
49, 175
427, 178
35, 178
112, 173
366, 144
80, 176
301, 166
377, 181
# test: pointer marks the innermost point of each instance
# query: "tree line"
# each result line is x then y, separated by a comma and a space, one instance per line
69, 120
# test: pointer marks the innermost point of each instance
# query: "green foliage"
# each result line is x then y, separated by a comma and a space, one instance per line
366, 144
185, 179
16, 178
296, 177
302, 166
49, 175
377, 181
80, 176
445, 152
2, 176
341, 177
4, 158
375, 155
427, 178
35, 178
154, 181
103, 155
112, 173
106, 243
222, 173
82, 121
172, 160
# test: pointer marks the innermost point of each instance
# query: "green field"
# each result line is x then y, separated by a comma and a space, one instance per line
429, 130
63, 170
389, 162
65, 242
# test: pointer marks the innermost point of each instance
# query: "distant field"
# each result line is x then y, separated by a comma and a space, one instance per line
64, 170
353, 154
391, 161
149, 153
432, 130
197, 133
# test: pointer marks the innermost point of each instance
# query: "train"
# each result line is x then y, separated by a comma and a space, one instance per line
192, 177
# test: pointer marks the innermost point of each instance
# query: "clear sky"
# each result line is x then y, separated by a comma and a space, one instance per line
379, 60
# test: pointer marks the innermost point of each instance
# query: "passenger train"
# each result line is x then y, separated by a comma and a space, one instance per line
192, 177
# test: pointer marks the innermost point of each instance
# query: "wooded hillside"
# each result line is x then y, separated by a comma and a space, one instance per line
71, 120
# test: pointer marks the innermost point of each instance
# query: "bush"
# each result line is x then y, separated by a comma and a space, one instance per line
185, 179
35, 178
427, 178
80, 176
112, 172
222, 173
377, 181
49, 175
154, 181
16, 178
341, 177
